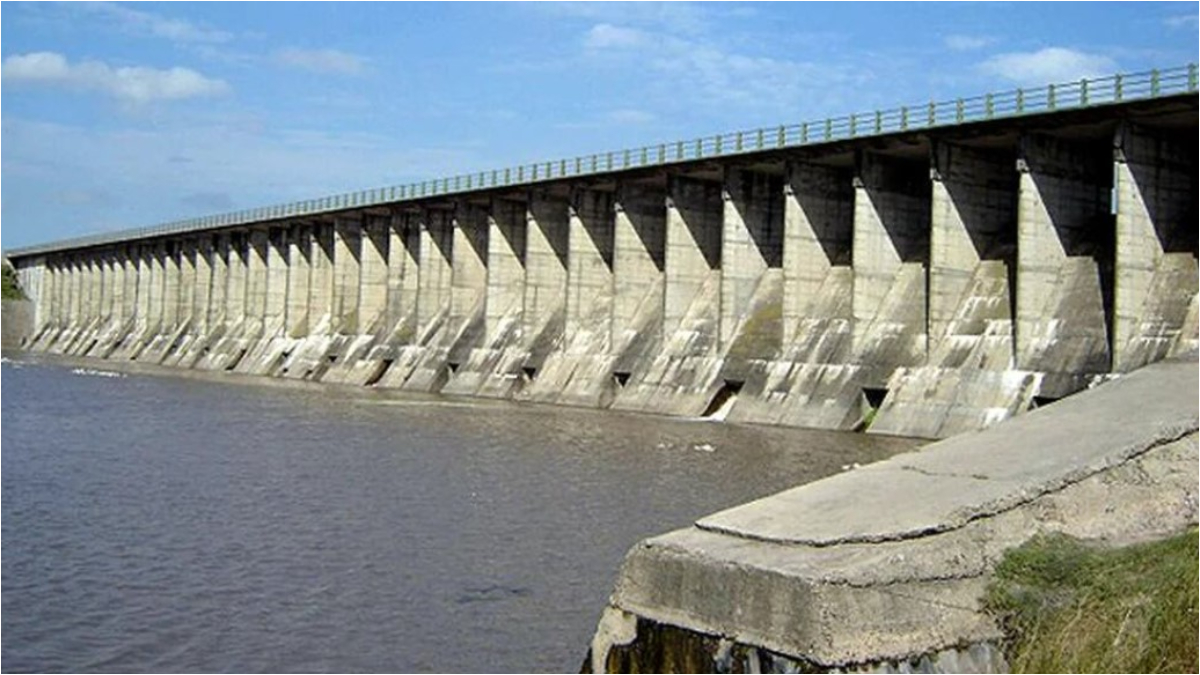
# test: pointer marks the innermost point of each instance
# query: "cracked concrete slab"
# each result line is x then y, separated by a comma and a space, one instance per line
950, 483
883, 569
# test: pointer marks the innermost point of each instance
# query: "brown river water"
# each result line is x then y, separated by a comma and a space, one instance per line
161, 523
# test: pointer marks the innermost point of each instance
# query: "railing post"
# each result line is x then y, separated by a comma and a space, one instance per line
699, 148
645, 156
878, 122
932, 113
853, 124
760, 139
1154, 82
626, 159
989, 107
1083, 91
828, 128
662, 154
1050, 98
958, 111
1020, 100
717, 146
781, 139
904, 118
737, 142
1118, 88
679, 151
804, 133
1192, 77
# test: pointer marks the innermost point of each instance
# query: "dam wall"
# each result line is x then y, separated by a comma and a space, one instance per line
17, 325
884, 568
920, 272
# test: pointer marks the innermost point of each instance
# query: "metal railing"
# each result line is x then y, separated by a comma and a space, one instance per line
1014, 103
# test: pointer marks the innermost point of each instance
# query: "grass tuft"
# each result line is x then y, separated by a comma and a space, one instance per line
1070, 607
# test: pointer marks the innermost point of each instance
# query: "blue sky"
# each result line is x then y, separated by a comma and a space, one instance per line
126, 115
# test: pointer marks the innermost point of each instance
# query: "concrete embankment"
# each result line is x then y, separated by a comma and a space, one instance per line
16, 324
883, 568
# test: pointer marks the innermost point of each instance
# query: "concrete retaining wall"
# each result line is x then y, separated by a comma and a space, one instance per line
883, 568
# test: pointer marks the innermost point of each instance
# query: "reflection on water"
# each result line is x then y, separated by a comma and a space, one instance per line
172, 524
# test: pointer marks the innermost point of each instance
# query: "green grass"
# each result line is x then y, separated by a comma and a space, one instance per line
1070, 607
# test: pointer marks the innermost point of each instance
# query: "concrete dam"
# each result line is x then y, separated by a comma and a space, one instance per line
921, 271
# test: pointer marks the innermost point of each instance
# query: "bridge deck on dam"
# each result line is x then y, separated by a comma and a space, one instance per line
921, 271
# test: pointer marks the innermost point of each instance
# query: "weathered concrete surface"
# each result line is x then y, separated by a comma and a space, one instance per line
883, 567
18, 324
922, 284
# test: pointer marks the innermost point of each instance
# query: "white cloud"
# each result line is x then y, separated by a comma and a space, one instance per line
1191, 21
704, 70
146, 23
607, 36
966, 43
1049, 65
322, 61
130, 84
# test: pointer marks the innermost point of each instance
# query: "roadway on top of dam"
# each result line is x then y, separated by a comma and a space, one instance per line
1167, 95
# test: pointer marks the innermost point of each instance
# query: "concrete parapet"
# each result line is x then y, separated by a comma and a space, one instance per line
884, 567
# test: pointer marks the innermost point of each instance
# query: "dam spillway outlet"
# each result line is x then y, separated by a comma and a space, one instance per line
871, 401
380, 371
722, 401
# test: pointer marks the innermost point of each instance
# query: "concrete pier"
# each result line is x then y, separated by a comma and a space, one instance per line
926, 280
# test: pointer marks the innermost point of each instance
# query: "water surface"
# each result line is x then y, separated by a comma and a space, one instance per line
157, 523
